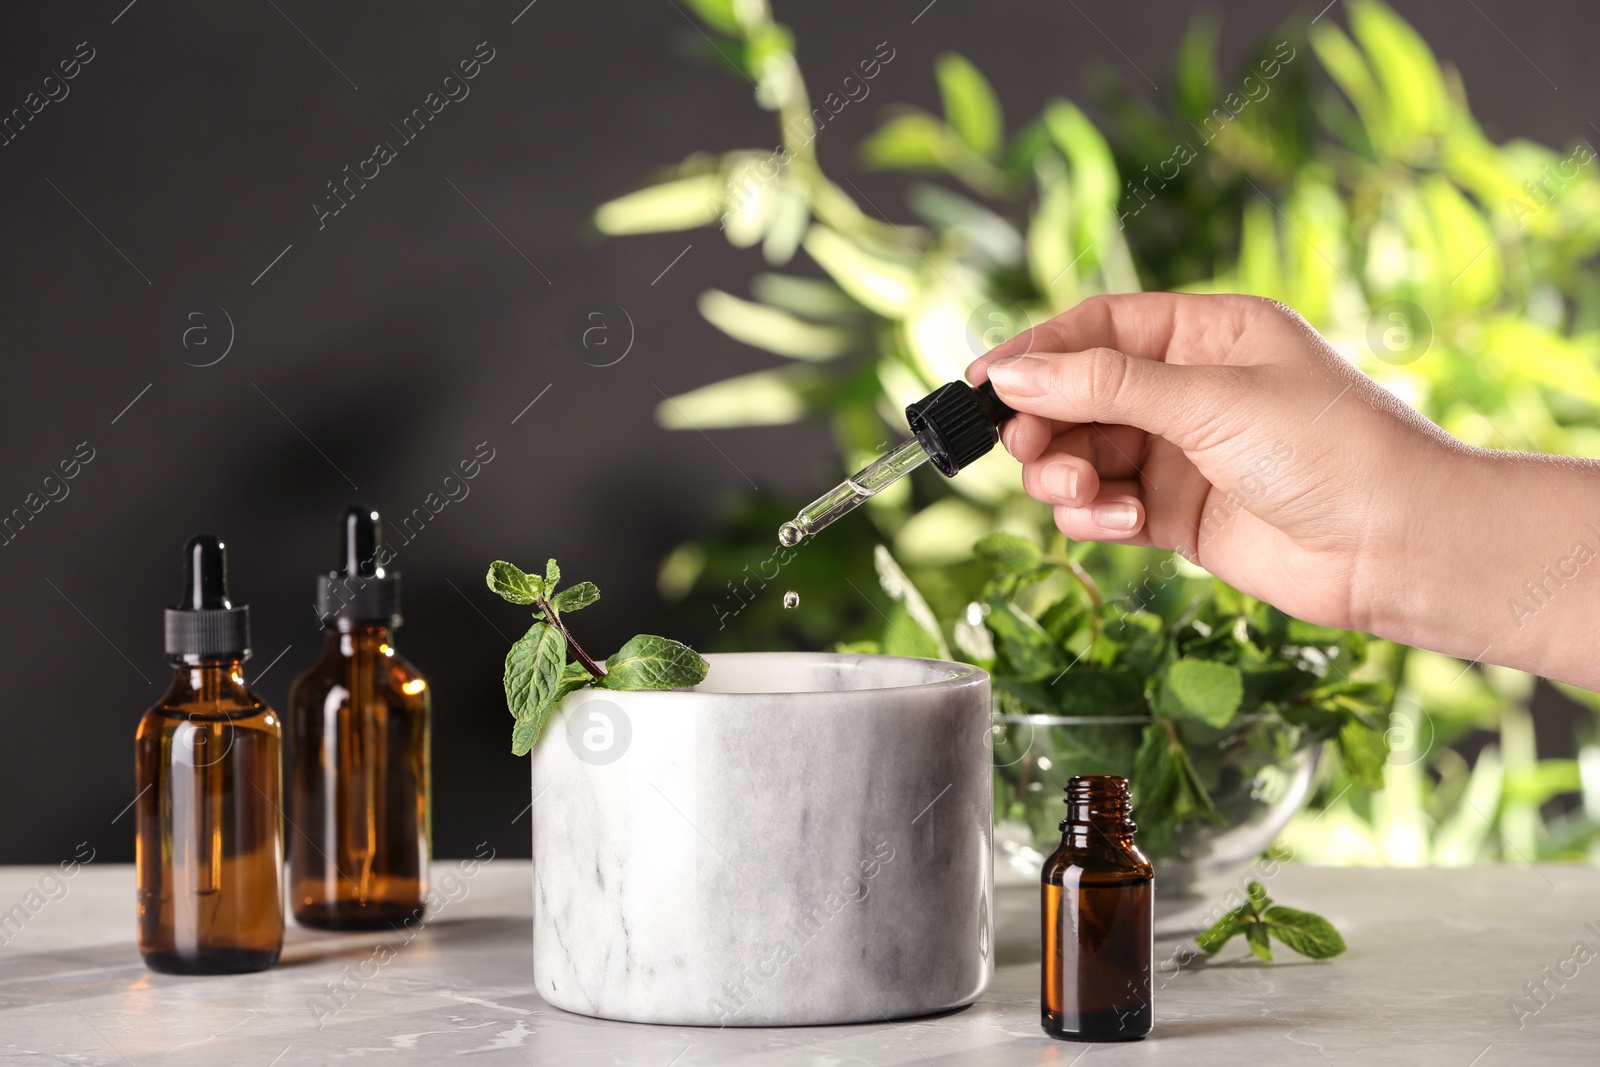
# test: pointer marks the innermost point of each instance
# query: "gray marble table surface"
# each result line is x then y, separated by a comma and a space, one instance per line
1442, 969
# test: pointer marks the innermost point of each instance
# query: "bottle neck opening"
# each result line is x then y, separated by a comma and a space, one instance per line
208, 676
350, 638
1099, 802
228, 663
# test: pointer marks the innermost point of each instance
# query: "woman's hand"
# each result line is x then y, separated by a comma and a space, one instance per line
1226, 428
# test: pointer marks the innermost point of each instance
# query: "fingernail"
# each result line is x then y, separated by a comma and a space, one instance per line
1060, 480
1021, 375
1116, 515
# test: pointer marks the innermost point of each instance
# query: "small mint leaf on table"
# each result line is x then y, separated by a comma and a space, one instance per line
1310, 935
650, 662
1256, 934
511, 583
576, 596
1213, 937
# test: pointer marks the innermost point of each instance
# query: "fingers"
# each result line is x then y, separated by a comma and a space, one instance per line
1092, 363
1061, 478
1141, 324
1173, 327
1113, 451
1027, 436
1116, 514
1118, 322
1069, 469
1107, 386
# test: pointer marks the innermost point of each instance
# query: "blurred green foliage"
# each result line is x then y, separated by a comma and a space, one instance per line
1340, 171
1203, 711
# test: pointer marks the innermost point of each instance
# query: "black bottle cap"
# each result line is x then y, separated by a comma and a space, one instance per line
360, 591
205, 624
958, 424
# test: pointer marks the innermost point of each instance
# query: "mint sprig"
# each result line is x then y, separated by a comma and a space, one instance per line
1258, 919
538, 674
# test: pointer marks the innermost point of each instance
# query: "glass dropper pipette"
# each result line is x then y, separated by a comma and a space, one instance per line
952, 426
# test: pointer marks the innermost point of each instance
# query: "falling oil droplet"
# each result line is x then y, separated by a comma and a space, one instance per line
791, 599
789, 535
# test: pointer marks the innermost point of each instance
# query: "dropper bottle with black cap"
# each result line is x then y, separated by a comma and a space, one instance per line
359, 778
209, 844
952, 427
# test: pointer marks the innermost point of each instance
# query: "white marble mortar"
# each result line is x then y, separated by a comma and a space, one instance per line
802, 838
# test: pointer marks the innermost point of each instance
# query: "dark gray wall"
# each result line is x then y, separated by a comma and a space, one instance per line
383, 347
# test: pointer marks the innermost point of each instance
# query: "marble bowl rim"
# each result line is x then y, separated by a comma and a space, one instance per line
956, 676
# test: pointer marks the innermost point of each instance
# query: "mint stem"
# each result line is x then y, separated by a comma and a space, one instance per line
596, 671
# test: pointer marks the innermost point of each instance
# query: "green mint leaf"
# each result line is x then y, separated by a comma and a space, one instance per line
1153, 783
1256, 934
527, 730
1034, 698
1028, 652
1310, 935
1063, 619
1275, 682
1364, 752
512, 584
1165, 780
859, 648
1257, 894
1219, 933
537, 675
1201, 689
900, 590
1086, 691
576, 596
534, 668
902, 636
525, 734
1142, 638
1193, 799
650, 662
1008, 554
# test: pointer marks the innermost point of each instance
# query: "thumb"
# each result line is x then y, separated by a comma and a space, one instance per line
1106, 386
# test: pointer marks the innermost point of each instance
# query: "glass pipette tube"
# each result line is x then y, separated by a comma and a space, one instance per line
855, 490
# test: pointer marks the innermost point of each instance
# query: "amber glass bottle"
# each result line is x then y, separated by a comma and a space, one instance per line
1099, 892
209, 845
360, 811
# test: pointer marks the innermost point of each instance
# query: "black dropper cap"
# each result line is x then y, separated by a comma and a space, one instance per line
958, 424
360, 591
205, 624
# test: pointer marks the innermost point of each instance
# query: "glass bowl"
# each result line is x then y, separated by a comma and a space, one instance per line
1258, 770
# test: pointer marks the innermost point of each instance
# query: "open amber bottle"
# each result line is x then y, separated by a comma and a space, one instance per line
361, 833
1099, 893
209, 845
